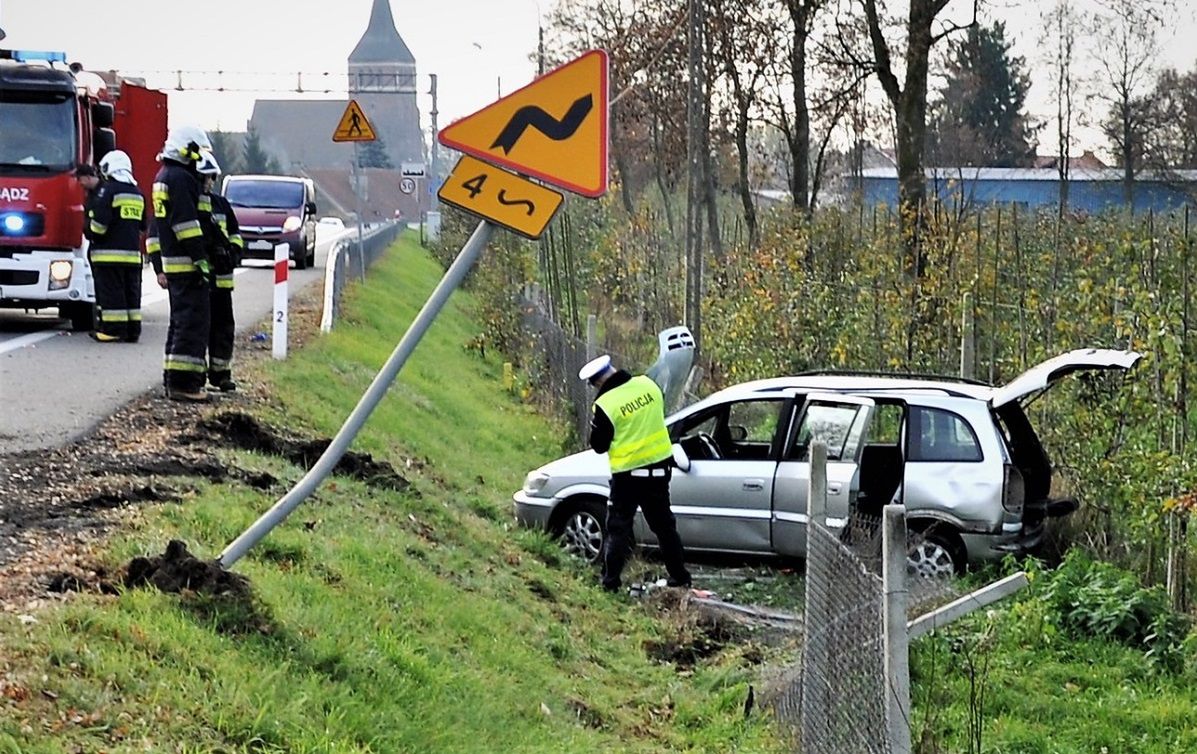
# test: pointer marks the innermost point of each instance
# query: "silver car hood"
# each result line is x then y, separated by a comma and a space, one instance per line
586, 464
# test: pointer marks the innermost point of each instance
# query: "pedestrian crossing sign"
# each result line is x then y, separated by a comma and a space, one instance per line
354, 126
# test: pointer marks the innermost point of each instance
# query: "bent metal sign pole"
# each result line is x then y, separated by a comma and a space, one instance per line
554, 129
378, 388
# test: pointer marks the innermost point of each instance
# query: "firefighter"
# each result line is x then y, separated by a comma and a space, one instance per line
628, 424
223, 236
115, 221
180, 258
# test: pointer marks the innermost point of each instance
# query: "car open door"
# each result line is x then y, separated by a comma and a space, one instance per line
841, 422
1042, 376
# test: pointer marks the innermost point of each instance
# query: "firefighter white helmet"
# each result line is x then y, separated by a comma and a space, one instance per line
117, 166
186, 144
208, 165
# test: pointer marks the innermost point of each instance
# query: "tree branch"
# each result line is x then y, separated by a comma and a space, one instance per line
881, 66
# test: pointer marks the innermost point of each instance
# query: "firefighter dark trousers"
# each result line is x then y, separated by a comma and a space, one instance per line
185, 366
220, 337
651, 495
118, 300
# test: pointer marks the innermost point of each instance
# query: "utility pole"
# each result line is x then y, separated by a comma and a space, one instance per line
694, 131
539, 47
434, 176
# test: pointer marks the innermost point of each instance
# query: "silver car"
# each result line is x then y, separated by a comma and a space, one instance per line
962, 456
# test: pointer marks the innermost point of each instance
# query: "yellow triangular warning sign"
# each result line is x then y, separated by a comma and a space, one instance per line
353, 125
554, 129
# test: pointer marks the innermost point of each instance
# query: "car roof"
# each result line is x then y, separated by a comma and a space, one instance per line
844, 383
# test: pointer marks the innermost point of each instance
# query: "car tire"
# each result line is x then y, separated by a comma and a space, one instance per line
312, 257
301, 261
81, 315
582, 529
937, 552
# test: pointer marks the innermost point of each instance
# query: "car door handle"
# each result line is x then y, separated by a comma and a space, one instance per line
754, 485
833, 488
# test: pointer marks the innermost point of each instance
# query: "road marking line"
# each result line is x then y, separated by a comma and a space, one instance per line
27, 340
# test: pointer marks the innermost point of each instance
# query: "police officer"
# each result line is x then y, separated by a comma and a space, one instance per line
115, 221
180, 258
629, 425
223, 236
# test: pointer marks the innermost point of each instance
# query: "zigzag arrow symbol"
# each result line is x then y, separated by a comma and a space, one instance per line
531, 115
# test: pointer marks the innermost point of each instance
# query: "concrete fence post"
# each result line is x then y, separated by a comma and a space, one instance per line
591, 336
897, 641
814, 702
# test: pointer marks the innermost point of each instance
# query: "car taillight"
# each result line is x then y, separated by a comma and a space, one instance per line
1014, 491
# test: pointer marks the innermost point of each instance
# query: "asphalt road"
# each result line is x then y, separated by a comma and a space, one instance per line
55, 384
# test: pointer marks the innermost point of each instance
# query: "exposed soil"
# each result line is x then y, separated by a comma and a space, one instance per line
57, 505
176, 570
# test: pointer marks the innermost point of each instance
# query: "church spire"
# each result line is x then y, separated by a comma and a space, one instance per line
381, 43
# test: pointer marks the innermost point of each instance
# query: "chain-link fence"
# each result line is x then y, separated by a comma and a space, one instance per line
842, 690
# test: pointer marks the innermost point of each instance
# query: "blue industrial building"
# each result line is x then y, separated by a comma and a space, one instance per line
1089, 190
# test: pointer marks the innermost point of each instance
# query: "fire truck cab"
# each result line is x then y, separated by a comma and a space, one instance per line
52, 122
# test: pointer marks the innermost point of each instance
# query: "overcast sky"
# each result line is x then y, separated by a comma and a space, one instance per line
477, 48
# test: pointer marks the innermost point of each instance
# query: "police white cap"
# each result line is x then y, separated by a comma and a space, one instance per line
595, 368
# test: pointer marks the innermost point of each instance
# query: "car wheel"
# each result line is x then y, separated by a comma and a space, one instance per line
312, 257
582, 530
301, 262
937, 553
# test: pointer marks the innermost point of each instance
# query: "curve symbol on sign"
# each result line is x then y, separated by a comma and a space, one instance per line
531, 115
513, 202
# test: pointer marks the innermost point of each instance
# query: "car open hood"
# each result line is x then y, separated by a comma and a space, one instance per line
672, 368
1046, 374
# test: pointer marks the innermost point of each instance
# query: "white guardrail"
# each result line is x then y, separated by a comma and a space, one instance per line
344, 257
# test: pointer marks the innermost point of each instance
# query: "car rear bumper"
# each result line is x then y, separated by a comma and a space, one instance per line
533, 512
987, 547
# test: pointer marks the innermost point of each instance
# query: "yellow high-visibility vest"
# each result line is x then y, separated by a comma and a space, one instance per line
637, 411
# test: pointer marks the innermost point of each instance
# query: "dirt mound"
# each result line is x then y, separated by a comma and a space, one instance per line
243, 431
177, 569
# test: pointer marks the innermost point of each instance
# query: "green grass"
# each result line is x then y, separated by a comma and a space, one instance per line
380, 622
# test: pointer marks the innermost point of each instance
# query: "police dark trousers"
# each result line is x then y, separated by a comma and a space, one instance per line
646, 488
115, 221
176, 245
225, 248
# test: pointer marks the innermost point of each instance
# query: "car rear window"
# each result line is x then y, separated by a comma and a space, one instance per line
265, 194
940, 435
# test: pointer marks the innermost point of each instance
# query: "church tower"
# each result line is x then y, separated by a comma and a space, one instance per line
382, 78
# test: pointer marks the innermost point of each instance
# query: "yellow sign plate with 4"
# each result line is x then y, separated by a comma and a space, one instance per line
500, 197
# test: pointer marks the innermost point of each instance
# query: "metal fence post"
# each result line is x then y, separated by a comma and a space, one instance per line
968, 344
591, 336
897, 650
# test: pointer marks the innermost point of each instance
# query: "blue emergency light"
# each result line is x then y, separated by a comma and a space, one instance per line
28, 56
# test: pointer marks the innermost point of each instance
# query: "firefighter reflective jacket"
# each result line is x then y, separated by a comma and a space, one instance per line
176, 240
637, 411
221, 223
114, 223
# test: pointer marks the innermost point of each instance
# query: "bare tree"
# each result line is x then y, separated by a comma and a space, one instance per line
909, 101
1059, 35
1126, 34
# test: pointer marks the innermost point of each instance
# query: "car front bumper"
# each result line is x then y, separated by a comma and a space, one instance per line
533, 512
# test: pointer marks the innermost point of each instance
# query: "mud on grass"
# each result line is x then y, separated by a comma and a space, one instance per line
57, 505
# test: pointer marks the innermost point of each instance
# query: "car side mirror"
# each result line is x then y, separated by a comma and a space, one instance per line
311, 208
680, 459
737, 434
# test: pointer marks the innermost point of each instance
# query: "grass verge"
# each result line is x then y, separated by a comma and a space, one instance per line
380, 621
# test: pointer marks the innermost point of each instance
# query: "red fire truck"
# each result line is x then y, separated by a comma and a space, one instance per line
53, 120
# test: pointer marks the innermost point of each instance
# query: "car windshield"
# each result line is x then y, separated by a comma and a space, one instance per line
265, 194
39, 132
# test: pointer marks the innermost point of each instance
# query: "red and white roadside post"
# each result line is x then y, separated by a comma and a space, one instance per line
282, 258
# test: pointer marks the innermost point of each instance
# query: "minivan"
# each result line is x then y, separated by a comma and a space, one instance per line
274, 209
962, 456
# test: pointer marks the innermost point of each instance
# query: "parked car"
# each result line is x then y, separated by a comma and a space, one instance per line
962, 456
274, 209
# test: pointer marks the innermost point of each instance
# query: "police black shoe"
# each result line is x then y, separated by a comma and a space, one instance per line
678, 582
